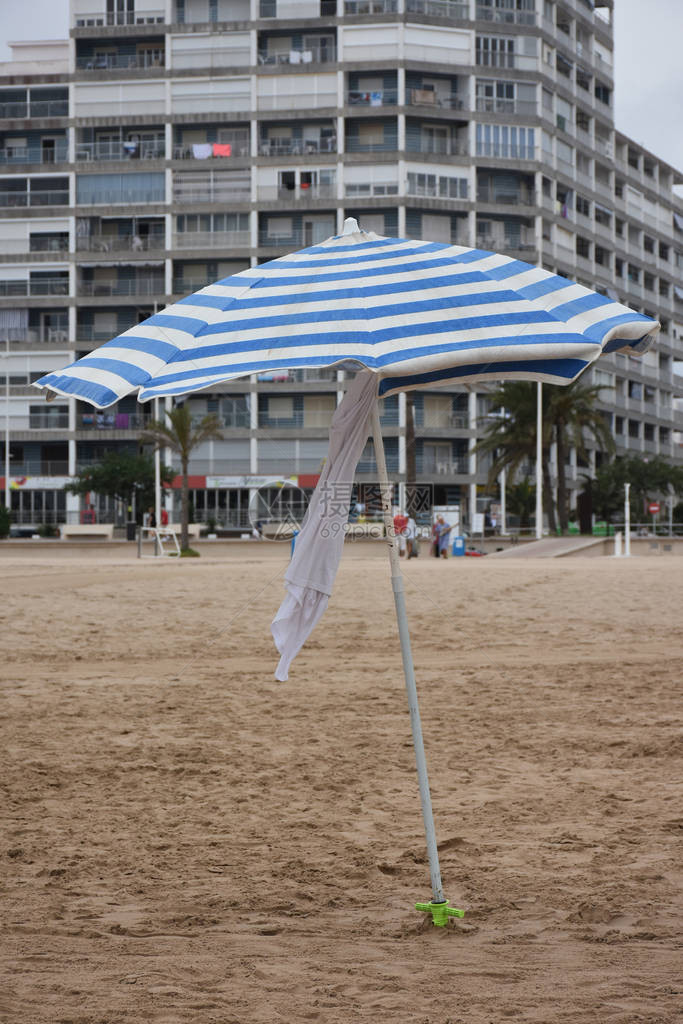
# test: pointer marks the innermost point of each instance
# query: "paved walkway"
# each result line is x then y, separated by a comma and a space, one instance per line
549, 547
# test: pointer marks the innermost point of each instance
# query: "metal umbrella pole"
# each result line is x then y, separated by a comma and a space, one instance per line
438, 906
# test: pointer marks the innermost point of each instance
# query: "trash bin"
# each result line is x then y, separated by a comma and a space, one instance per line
131, 529
458, 546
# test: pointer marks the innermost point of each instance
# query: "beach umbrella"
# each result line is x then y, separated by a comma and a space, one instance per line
415, 314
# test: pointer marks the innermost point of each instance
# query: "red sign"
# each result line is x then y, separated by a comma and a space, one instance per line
653, 508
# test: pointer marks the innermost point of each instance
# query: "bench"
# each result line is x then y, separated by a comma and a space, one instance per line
193, 529
105, 530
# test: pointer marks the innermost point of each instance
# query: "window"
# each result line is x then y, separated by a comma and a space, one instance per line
633, 428
437, 186
603, 215
602, 256
583, 206
506, 141
635, 390
583, 247
602, 93
495, 51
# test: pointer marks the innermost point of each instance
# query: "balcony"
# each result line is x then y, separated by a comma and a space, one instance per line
356, 7
34, 154
122, 150
134, 286
498, 105
439, 8
521, 197
379, 98
221, 55
297, 147
212, 240
354, 189
35, 288
437, 146
444, 467
120, 243
505, 151
51, 197
119, 62
508, 243
302, 193
504, 16
47, 421
238, 145
316, 420
296, 238
120, 17
313, 55
26, 335
110, 420
123, 197
34, 109
211, 193
431, 98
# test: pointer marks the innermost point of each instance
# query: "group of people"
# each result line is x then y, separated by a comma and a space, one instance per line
408, 537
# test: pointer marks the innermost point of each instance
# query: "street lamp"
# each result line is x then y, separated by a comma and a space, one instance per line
7, 491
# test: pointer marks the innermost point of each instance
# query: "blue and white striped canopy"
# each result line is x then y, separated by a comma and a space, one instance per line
417, 313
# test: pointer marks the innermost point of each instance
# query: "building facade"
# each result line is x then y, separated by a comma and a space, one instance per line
170, 143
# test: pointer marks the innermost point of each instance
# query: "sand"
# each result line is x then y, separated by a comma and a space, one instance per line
186, 840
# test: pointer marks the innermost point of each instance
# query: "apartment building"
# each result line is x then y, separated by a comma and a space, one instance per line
169, 143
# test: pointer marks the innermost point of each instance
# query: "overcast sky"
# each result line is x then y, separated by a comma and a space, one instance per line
649, 69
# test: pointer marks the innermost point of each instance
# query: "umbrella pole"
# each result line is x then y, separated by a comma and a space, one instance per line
438, 906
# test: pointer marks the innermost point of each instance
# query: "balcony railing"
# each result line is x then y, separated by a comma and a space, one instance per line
354, 189
431, 190
211, 240
378, 98
119, 243
37, 467
295, 238
440, 147
509, 243
36, 108
120, 150
112, 421
299, 418
119, 61
352, 7
219, 56
507, 17
439, 8
45, 286
34, 154
135, 286
313, 55
302, 193
503, 151
118, 197
239, 146
185, 285
217, 194
24, 335
120, 17
51, 197
431, 98
521, 197
497, 105
47, 421
296, 147
445, 467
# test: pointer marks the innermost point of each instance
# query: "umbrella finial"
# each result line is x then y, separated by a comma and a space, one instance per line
351, 226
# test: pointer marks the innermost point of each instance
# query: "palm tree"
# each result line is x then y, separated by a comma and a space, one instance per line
182, 436
511, 438
568, 413
572, 414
